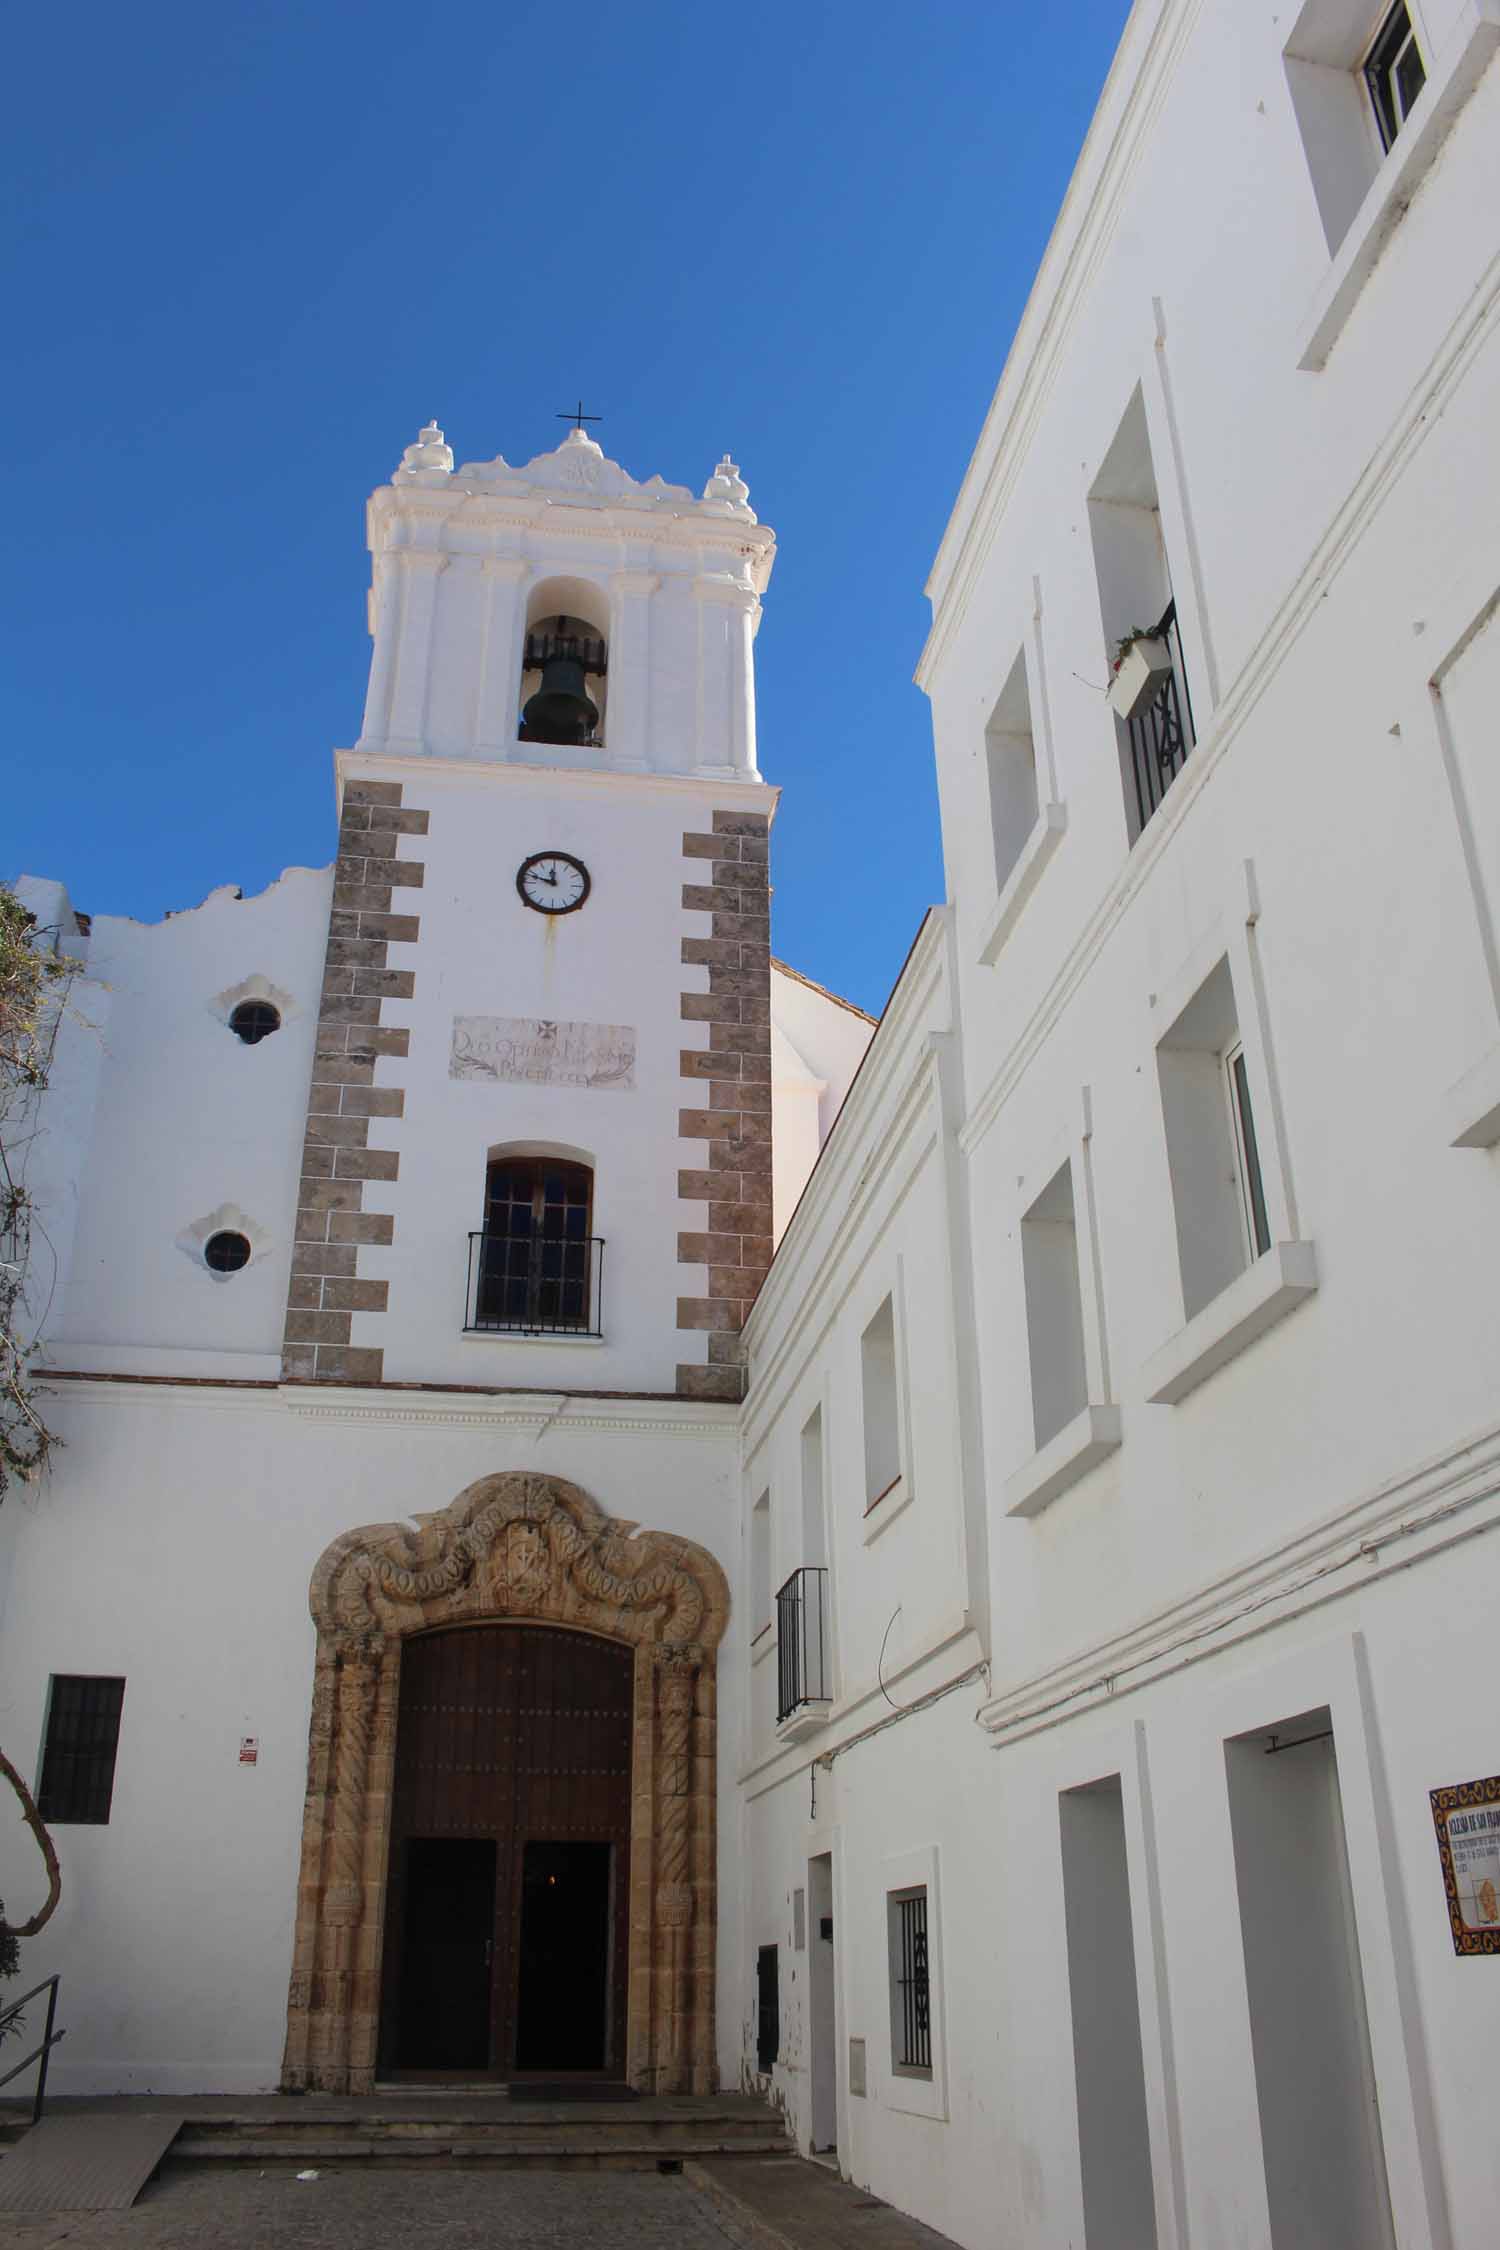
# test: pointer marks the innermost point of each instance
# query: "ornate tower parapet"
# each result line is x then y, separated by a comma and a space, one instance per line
476, 566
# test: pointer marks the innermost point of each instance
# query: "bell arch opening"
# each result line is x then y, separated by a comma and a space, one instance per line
565, 664
536, 1553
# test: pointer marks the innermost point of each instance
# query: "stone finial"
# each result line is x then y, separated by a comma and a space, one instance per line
429, 456
726, 483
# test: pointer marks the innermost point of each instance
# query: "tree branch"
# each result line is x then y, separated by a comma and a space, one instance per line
38, 1829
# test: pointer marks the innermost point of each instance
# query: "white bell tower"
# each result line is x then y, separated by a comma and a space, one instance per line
470, 562
538, 1143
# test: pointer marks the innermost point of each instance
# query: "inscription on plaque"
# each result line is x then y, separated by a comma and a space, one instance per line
536, 1051
1466, 1816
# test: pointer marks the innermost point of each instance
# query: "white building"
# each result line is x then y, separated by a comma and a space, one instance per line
439, 1180
1083, 1823
1169, 1184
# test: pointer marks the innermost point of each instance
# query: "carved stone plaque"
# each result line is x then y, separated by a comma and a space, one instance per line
536, 1051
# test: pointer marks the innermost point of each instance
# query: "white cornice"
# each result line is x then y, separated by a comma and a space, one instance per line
530, 1413
1122, 122
545, 519
729, 792
1449, 1497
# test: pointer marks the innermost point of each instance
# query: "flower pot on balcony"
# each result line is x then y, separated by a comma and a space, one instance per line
1137, 675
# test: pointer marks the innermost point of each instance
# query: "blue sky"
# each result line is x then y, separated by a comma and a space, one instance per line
252, 249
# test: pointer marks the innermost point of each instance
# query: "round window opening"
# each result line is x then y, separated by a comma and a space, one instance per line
252, 1021
226, 1252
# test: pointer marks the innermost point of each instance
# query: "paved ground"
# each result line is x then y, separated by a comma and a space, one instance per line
405, 2210
754, 2203
785, 2203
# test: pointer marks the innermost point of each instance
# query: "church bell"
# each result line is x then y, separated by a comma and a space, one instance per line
561, 709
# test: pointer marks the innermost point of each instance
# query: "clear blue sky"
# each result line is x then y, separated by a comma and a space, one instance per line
253, 248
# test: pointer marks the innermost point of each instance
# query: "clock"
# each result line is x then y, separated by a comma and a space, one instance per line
553, 882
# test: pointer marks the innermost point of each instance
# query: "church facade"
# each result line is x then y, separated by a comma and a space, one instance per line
615, 1523
406, 1219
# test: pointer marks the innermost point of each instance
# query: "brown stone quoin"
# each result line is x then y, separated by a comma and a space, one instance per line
728, 1085
513, 1545
326, 1287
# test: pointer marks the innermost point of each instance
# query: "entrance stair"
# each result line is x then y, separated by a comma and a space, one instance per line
456, 2127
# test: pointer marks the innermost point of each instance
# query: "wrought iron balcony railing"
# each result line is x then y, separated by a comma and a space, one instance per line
535, 1285
804, 1673
1162, 734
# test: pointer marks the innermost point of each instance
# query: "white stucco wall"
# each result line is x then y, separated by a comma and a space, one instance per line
174, 1549
1308, 1529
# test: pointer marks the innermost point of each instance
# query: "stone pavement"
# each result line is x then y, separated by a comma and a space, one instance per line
405, 2209
785, 2203
742, 2203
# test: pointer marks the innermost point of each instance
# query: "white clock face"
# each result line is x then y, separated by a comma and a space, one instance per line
553, 882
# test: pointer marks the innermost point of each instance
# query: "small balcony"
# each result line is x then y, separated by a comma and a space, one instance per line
535, 1285
1161, 735
804, 1683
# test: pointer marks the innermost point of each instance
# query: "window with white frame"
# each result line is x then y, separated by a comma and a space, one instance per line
760, 1565
1218, 1194
1010, 762
814, 1532
1353, 76
1054, 1307
1246, 1153
1394, 72
1154, 723
881, 1404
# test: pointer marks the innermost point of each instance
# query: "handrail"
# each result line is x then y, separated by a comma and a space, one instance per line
535, 1285
802, 1662
50, 2038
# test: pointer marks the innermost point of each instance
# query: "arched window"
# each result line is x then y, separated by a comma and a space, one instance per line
565, 664
534, 1265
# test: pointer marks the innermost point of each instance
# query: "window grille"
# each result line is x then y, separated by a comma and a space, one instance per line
802, 1666
78, 1762
1161, 735
534, 1267
913, 2010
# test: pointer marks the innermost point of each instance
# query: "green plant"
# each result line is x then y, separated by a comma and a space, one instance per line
33, 985
1126, 643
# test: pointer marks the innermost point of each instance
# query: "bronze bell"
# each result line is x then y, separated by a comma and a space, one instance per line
561, 709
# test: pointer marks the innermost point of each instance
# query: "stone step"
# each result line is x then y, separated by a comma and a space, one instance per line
498, 2127
583, 2149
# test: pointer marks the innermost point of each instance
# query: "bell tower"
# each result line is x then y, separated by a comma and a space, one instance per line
543, 1080
564, 606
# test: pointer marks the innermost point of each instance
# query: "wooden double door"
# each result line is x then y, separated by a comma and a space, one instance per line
507, 1922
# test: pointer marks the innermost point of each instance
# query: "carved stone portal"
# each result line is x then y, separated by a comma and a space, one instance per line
512, 1545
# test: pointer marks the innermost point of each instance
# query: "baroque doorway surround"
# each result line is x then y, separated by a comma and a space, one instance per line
520, 1546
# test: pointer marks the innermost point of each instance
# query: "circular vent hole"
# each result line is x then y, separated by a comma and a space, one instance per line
226, 1252
252, 1021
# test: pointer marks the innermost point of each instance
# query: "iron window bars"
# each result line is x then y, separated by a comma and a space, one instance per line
535, 1285
1162, 734
83, 1736
913, 2025
802, 1667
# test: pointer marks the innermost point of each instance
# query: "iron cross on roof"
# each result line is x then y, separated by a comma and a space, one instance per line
578, 417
